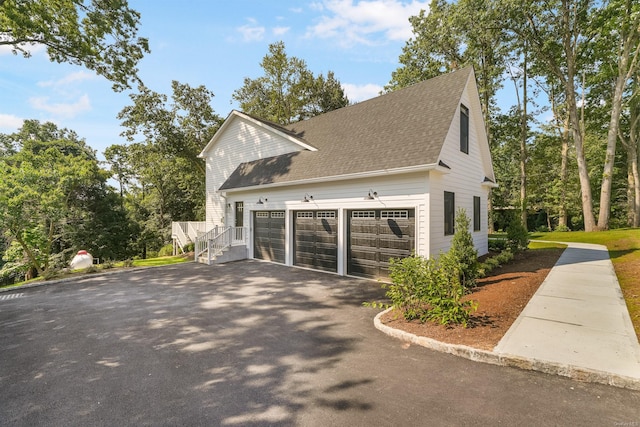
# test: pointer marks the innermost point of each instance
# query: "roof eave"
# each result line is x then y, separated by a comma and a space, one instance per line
344, 177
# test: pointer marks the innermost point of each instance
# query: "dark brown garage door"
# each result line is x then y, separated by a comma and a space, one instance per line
316, 240
268, 235
375, 236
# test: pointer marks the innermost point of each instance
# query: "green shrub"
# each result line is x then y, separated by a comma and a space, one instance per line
504, 256
517, 236
408, 291
91, 269
463, 250
494, 262
151, 254
107, 264
51, 274
497, 245
190, 247
562, 228
166, 250
127, 263
428, 290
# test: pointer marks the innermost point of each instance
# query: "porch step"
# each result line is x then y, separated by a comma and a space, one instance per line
232, 253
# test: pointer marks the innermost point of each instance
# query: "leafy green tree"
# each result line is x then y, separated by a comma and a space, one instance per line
99, 35
617, 44
54, 198
179, 128
288, 91
160, 174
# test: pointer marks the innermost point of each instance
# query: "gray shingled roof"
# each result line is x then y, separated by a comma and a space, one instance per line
399, 129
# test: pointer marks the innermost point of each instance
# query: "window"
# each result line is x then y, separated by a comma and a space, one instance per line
449, 213
464, 129
476, 213
394, 214
363, 214
325, 214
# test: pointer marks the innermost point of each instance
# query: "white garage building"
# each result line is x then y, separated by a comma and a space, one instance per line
347, 190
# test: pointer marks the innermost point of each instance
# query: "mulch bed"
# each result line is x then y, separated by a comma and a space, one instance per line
501, 296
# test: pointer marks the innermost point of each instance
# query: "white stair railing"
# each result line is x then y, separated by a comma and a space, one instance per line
178, 234
215, 241
195, 229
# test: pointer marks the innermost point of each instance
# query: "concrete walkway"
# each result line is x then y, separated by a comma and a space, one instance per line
577, 318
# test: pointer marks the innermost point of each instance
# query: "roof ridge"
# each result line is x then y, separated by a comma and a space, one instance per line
431, 80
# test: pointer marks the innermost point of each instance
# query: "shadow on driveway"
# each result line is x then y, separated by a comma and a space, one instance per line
248, 343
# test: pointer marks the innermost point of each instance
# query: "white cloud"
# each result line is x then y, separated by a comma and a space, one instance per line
78, 76
366, 21
252, 31
9, 122
278, 31
8, 49
67, 110
357, 93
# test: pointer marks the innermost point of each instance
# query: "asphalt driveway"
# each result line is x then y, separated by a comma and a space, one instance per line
253, 343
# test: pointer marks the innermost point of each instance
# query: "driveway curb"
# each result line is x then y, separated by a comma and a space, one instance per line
502, 359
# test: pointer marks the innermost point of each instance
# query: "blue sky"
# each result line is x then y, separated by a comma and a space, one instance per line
216, 44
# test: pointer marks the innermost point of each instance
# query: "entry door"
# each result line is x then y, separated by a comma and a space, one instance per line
376, 236
269, 236
239, 214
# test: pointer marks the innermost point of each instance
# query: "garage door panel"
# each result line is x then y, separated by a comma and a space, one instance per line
269, 236
376, 236
316, 240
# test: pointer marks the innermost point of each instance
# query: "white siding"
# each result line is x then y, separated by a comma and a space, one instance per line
394, 191
464, 179
241, 142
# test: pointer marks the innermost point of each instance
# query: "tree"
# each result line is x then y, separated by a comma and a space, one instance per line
54, 198
288, 91
99, 35
558, 33
620, 43
173, 134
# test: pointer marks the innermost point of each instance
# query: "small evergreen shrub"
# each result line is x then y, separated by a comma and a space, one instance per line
562, 228
517, 236
127, 263
463, 251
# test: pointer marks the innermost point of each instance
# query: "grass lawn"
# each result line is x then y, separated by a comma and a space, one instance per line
624, 249
166, 260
